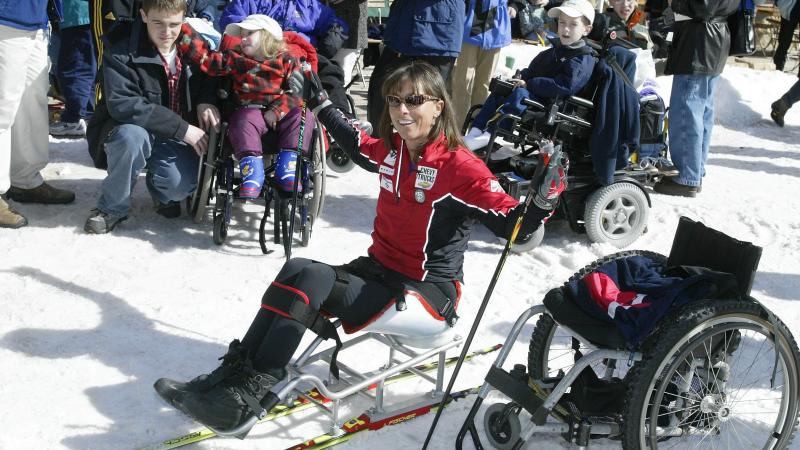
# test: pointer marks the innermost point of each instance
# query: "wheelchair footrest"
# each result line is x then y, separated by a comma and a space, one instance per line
514, 388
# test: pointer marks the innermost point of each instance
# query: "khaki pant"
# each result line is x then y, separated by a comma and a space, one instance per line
24, 140
471, 75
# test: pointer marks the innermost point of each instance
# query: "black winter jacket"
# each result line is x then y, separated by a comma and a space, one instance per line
135, 92
700, 45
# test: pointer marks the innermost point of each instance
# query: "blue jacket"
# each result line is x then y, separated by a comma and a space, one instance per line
309, 18
487, 24
616, 125
559, 71
425, 27
27, 14
634, 294
76, 13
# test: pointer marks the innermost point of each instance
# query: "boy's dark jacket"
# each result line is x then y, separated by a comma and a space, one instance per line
135, 92
616, 126
559, 71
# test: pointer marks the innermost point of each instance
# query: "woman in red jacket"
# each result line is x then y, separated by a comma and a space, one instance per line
432, 190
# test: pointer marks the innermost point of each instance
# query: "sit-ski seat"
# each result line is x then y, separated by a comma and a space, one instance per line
417, 326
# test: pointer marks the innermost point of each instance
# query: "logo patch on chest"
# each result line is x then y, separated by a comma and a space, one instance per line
426, 176
390, 158
386, 183
386, 170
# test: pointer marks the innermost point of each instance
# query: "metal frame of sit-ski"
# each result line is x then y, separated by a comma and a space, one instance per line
539, 422
352, 381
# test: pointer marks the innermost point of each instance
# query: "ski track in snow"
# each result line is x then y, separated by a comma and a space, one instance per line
88, 323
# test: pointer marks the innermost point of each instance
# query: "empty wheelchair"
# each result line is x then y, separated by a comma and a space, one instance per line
719, 371
294, 210
611, 208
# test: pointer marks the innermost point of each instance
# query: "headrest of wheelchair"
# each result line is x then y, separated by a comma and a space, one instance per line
698, 245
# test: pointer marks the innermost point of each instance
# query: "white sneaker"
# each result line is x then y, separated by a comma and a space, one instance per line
477, 142
473, 132
70, 129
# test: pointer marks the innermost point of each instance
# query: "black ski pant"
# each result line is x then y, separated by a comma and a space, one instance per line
787, 30
272, 339
387, 63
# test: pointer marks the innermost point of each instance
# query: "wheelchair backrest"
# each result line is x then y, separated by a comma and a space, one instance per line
698, 245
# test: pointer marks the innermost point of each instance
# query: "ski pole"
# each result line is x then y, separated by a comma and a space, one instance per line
544, 159
287, 243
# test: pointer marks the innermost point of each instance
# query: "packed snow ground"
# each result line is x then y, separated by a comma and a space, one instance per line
88, 323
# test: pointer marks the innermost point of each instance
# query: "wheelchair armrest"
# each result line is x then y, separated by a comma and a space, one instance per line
574, 119
579, 101
533, 103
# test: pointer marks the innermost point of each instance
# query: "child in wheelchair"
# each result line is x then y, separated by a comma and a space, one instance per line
266, 83
562, 70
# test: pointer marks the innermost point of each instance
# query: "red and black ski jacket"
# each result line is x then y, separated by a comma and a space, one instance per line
425, 211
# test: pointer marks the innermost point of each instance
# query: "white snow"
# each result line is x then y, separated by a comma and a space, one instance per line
88, 323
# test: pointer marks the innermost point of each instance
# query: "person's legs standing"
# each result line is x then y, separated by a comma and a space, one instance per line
785, 35
15, 48
792, 96
686, 118
484, 69
76, 73
30, 150
464, 74
708, 120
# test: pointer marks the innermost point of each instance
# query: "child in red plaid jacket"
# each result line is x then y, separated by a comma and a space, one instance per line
266, 84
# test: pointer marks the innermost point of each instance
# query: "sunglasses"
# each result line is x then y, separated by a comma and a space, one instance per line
411, 101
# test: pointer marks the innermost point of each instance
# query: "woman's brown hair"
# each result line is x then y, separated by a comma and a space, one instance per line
426, 80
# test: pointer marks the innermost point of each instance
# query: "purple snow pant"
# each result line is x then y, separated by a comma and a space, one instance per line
247, 125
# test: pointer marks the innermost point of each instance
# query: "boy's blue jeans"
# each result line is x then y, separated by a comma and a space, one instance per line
171, 168
691, 119
512, 104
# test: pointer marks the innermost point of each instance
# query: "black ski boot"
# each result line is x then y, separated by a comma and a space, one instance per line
232, 362
232, 401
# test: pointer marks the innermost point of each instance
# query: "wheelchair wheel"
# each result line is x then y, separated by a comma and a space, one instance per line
317, 174
205, 180
523, 246
616, 214
338, 161
723, 375
220, 229
551, 352
502, 425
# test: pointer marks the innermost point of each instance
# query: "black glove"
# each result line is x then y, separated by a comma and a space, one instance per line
271, 119
313, 93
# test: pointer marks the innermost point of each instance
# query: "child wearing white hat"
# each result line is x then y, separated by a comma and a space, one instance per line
266, 91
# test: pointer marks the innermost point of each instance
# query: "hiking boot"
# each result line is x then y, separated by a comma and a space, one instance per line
779, 109
668, 186
68, 129
171, 390
232, 401
10, 218
170, 210
44, 193
100, 222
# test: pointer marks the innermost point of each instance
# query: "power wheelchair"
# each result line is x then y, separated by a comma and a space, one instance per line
713, 373
615, 213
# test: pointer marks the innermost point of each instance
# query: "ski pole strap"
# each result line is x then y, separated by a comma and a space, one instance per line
293, 303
